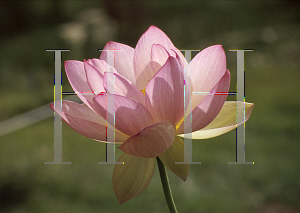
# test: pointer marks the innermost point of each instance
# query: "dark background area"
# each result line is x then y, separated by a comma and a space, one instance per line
270, 28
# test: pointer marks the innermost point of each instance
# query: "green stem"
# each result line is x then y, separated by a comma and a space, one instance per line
166, 186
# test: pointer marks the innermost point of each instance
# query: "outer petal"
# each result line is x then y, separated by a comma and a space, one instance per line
210, 106
142, 54
123, 59
150, 141
165, 92
176, 154
225, 121
207, 68
124, 87
85, 121
77, 77
130, 115
101, 65
132, 177
95, 74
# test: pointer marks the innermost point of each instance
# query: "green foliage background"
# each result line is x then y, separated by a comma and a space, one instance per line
271, 28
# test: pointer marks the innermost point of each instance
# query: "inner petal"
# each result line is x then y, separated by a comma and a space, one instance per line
130, 115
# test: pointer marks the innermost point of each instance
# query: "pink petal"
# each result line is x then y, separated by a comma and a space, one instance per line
132, 177
150, 141
101, 65
210, 106
165, 92
77, 77
207, 68
95, 75
159, 56
85, 121
124, 87
130, 115
123, 59
142, 54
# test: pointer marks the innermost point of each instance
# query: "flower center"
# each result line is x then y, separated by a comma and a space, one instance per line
143, 91
178, 124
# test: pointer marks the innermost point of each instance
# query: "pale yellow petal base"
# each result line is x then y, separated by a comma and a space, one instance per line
225, 121
132, 177
176, 154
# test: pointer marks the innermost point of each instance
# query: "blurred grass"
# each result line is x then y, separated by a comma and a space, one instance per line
272, 133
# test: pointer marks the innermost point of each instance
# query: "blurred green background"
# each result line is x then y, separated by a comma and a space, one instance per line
271, 28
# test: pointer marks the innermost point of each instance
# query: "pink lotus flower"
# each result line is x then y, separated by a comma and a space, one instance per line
150, 89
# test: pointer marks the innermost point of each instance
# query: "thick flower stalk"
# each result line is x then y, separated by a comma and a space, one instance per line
150, 89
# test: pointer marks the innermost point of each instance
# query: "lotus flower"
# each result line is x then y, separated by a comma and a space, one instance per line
150, 89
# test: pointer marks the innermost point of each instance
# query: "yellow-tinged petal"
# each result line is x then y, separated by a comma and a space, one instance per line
225, 120
176, 154
132, 177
